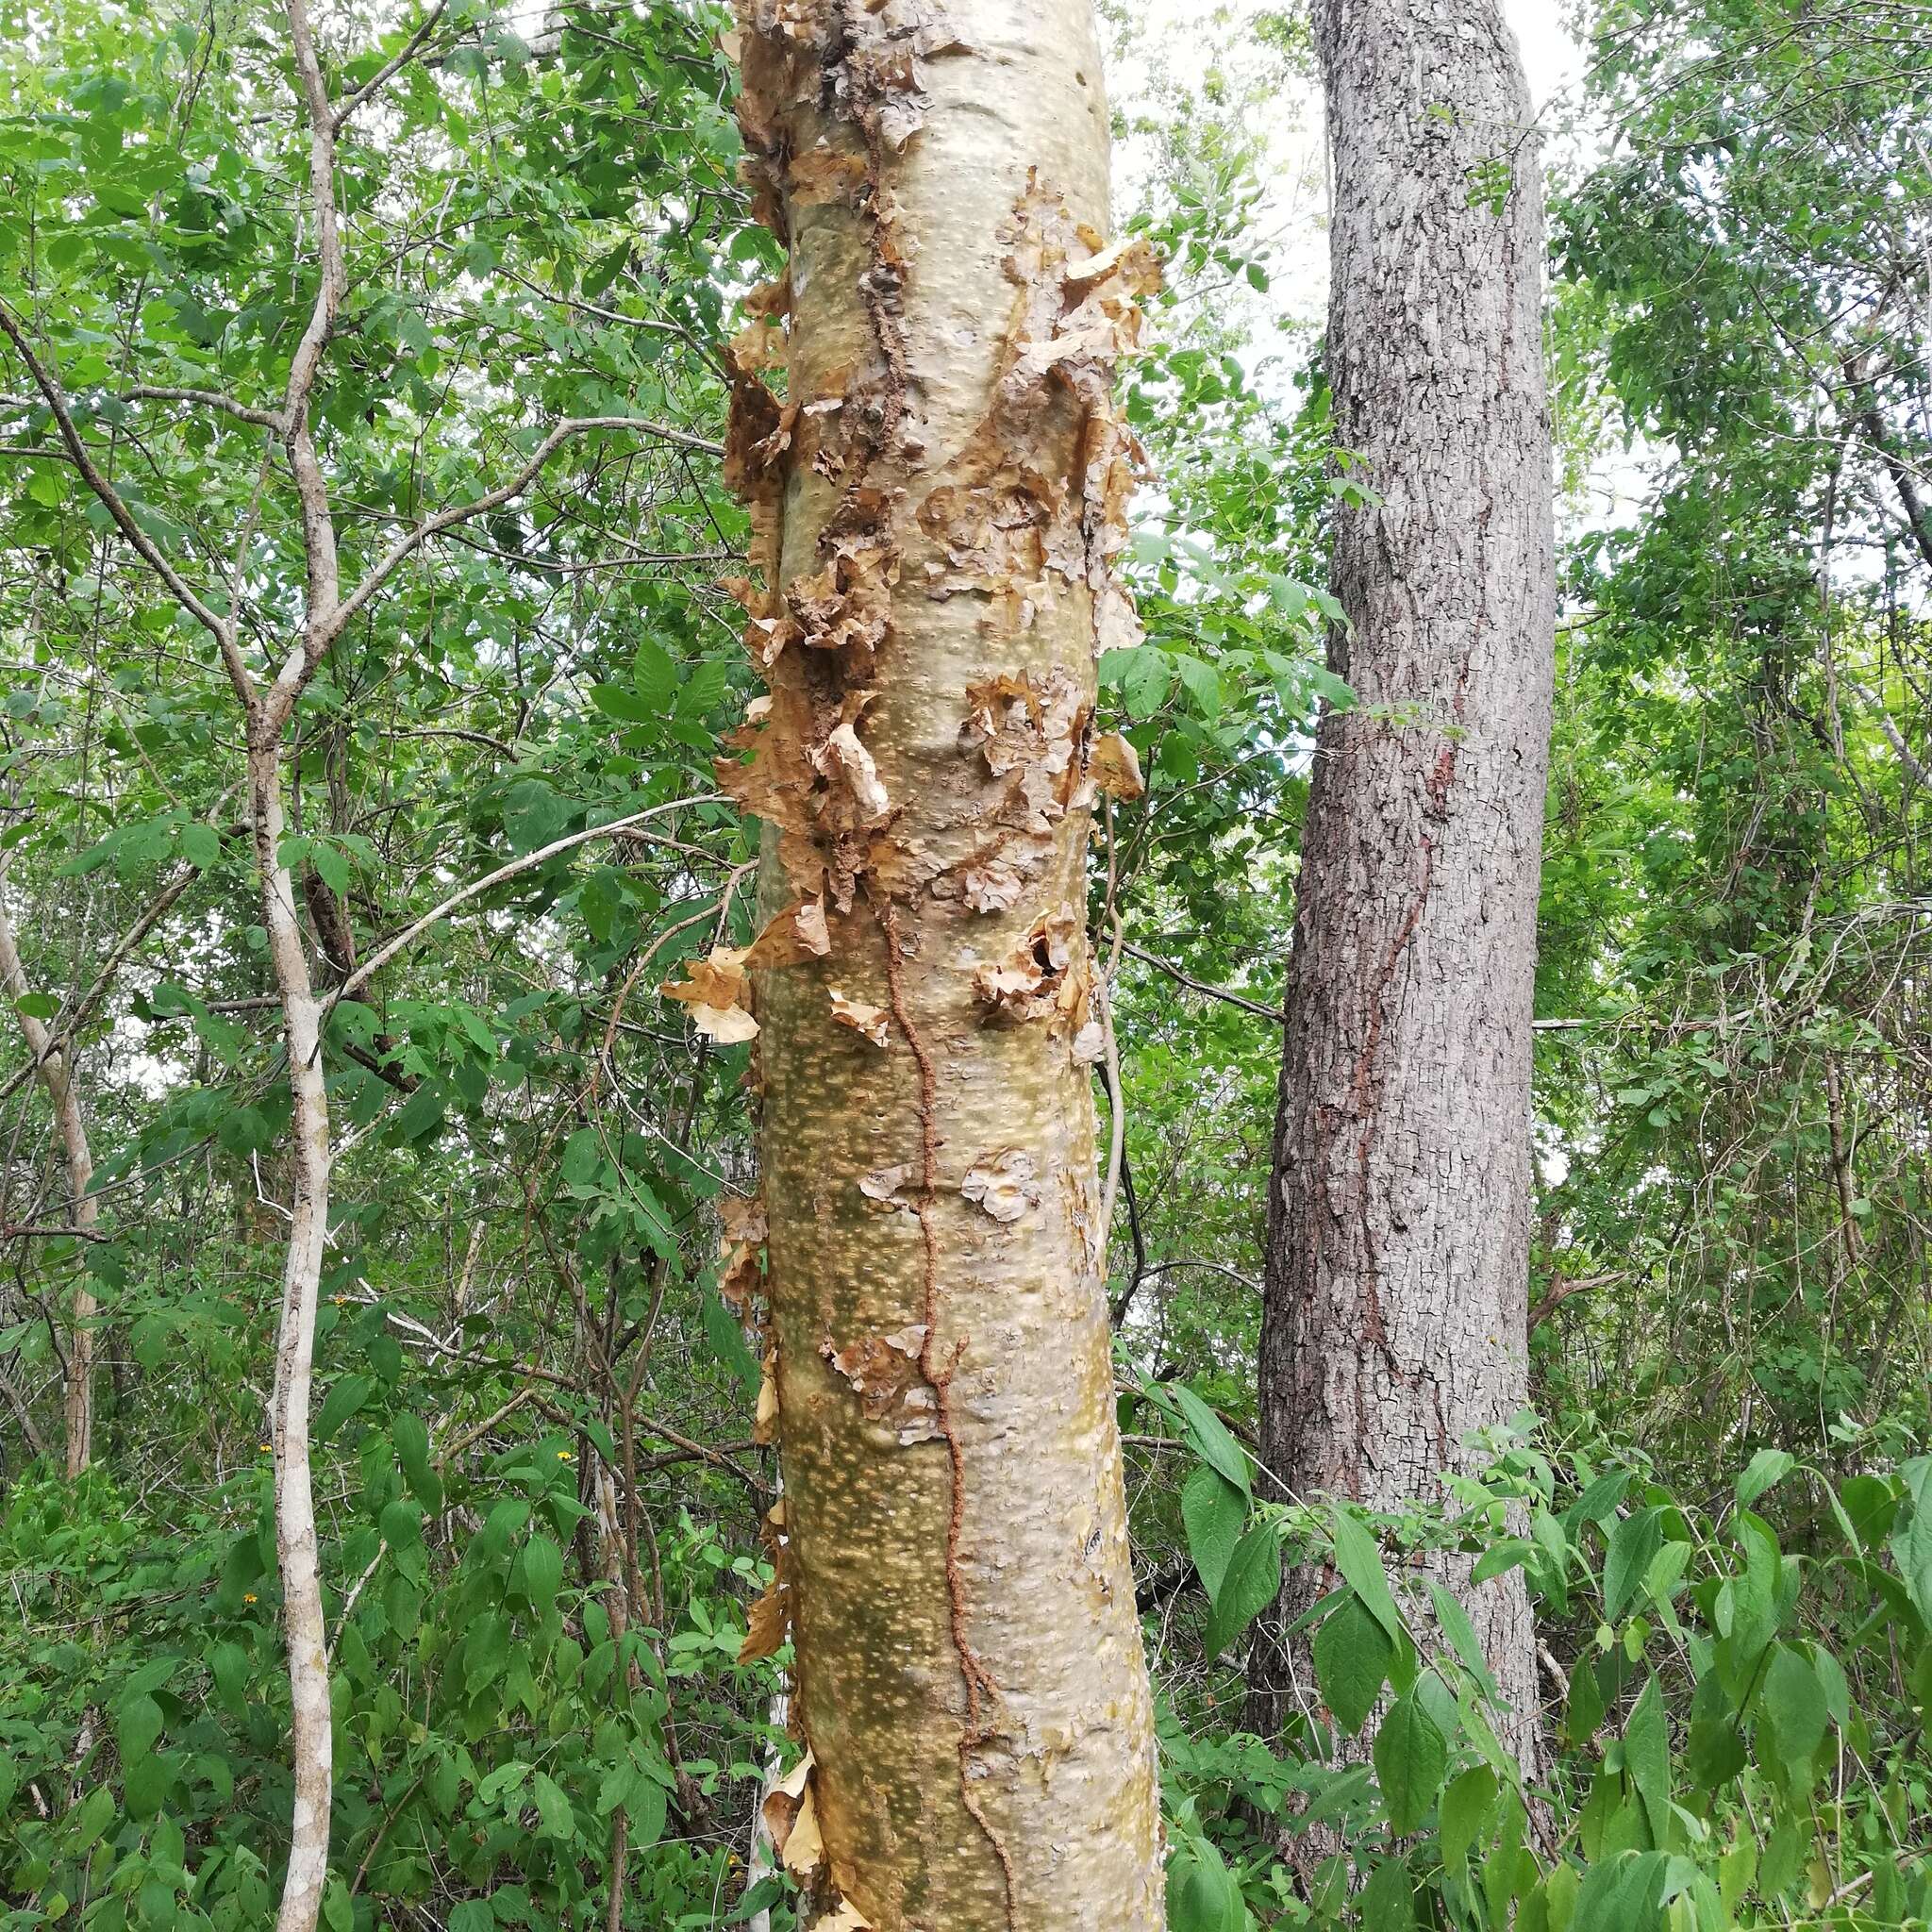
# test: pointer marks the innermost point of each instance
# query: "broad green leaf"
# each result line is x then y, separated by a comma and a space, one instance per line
1634, 1541
555, 1817
1621, 1893
1252, 1578
201, 846
1212, 1513
1792, 1701
1360, 1563
1911, 1541
1410, 1755
1460, 1632
1352, 1654
1647, 1757
542, 1572
1211, 1441
1584, 1710
136, 1725
1465, 1812
1386, 1902
1202, 1895
1765, 1470
349, 1394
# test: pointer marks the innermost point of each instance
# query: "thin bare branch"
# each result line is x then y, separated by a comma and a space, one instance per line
528, 862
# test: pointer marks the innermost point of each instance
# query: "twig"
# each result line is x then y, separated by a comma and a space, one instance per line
384, 954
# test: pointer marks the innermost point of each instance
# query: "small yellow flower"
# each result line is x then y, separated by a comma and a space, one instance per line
266, 1448
563, 1455
249, 1598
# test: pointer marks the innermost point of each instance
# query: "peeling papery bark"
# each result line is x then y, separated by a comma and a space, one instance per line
938, 486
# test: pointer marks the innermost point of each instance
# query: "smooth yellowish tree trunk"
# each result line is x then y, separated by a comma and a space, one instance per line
936, 477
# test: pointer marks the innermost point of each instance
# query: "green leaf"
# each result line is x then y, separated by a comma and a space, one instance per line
1211, 1441
349, 1394
410, 1435
37, 1006
1633, 1542
727, 1341
47, 488
338, 1909
472, 1915
1212, 1513
1460, 1632
1766, 1468
1584, 1711
767, 1892
555, 1817
330, 864
227, 1664
201, 846
655, 674
1410, 1755
1360, 1563
1911, 1541
1253, 1579
136, 1727
625, 705
94, 1815
542, 1572
1621, 1893
1466, 1807
1352, 1654
146, 1783
1202, 1895
1388, 1900
1792, 1700
1647, 1757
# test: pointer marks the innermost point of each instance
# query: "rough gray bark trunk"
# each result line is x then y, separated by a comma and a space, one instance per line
938, 498
1394, 1321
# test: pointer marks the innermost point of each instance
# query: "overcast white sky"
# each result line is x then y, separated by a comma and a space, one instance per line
1549, 54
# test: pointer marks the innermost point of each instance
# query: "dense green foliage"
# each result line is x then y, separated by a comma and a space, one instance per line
539, 1501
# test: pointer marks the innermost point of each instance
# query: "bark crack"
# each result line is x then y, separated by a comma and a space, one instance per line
973, 1672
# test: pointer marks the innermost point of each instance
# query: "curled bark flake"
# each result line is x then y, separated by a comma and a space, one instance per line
764, 1426
768, 1623
791, 937
1046, 976
791, 1820
871, 1022
1002, 1184
846, 605
759, 346
858, 797
718, 994
883, 1184
884, 1372
1115, 767
741, 1271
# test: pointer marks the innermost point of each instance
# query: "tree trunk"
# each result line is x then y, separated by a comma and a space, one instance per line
310, 1741
936, 503
1394, 1319
55, 1068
